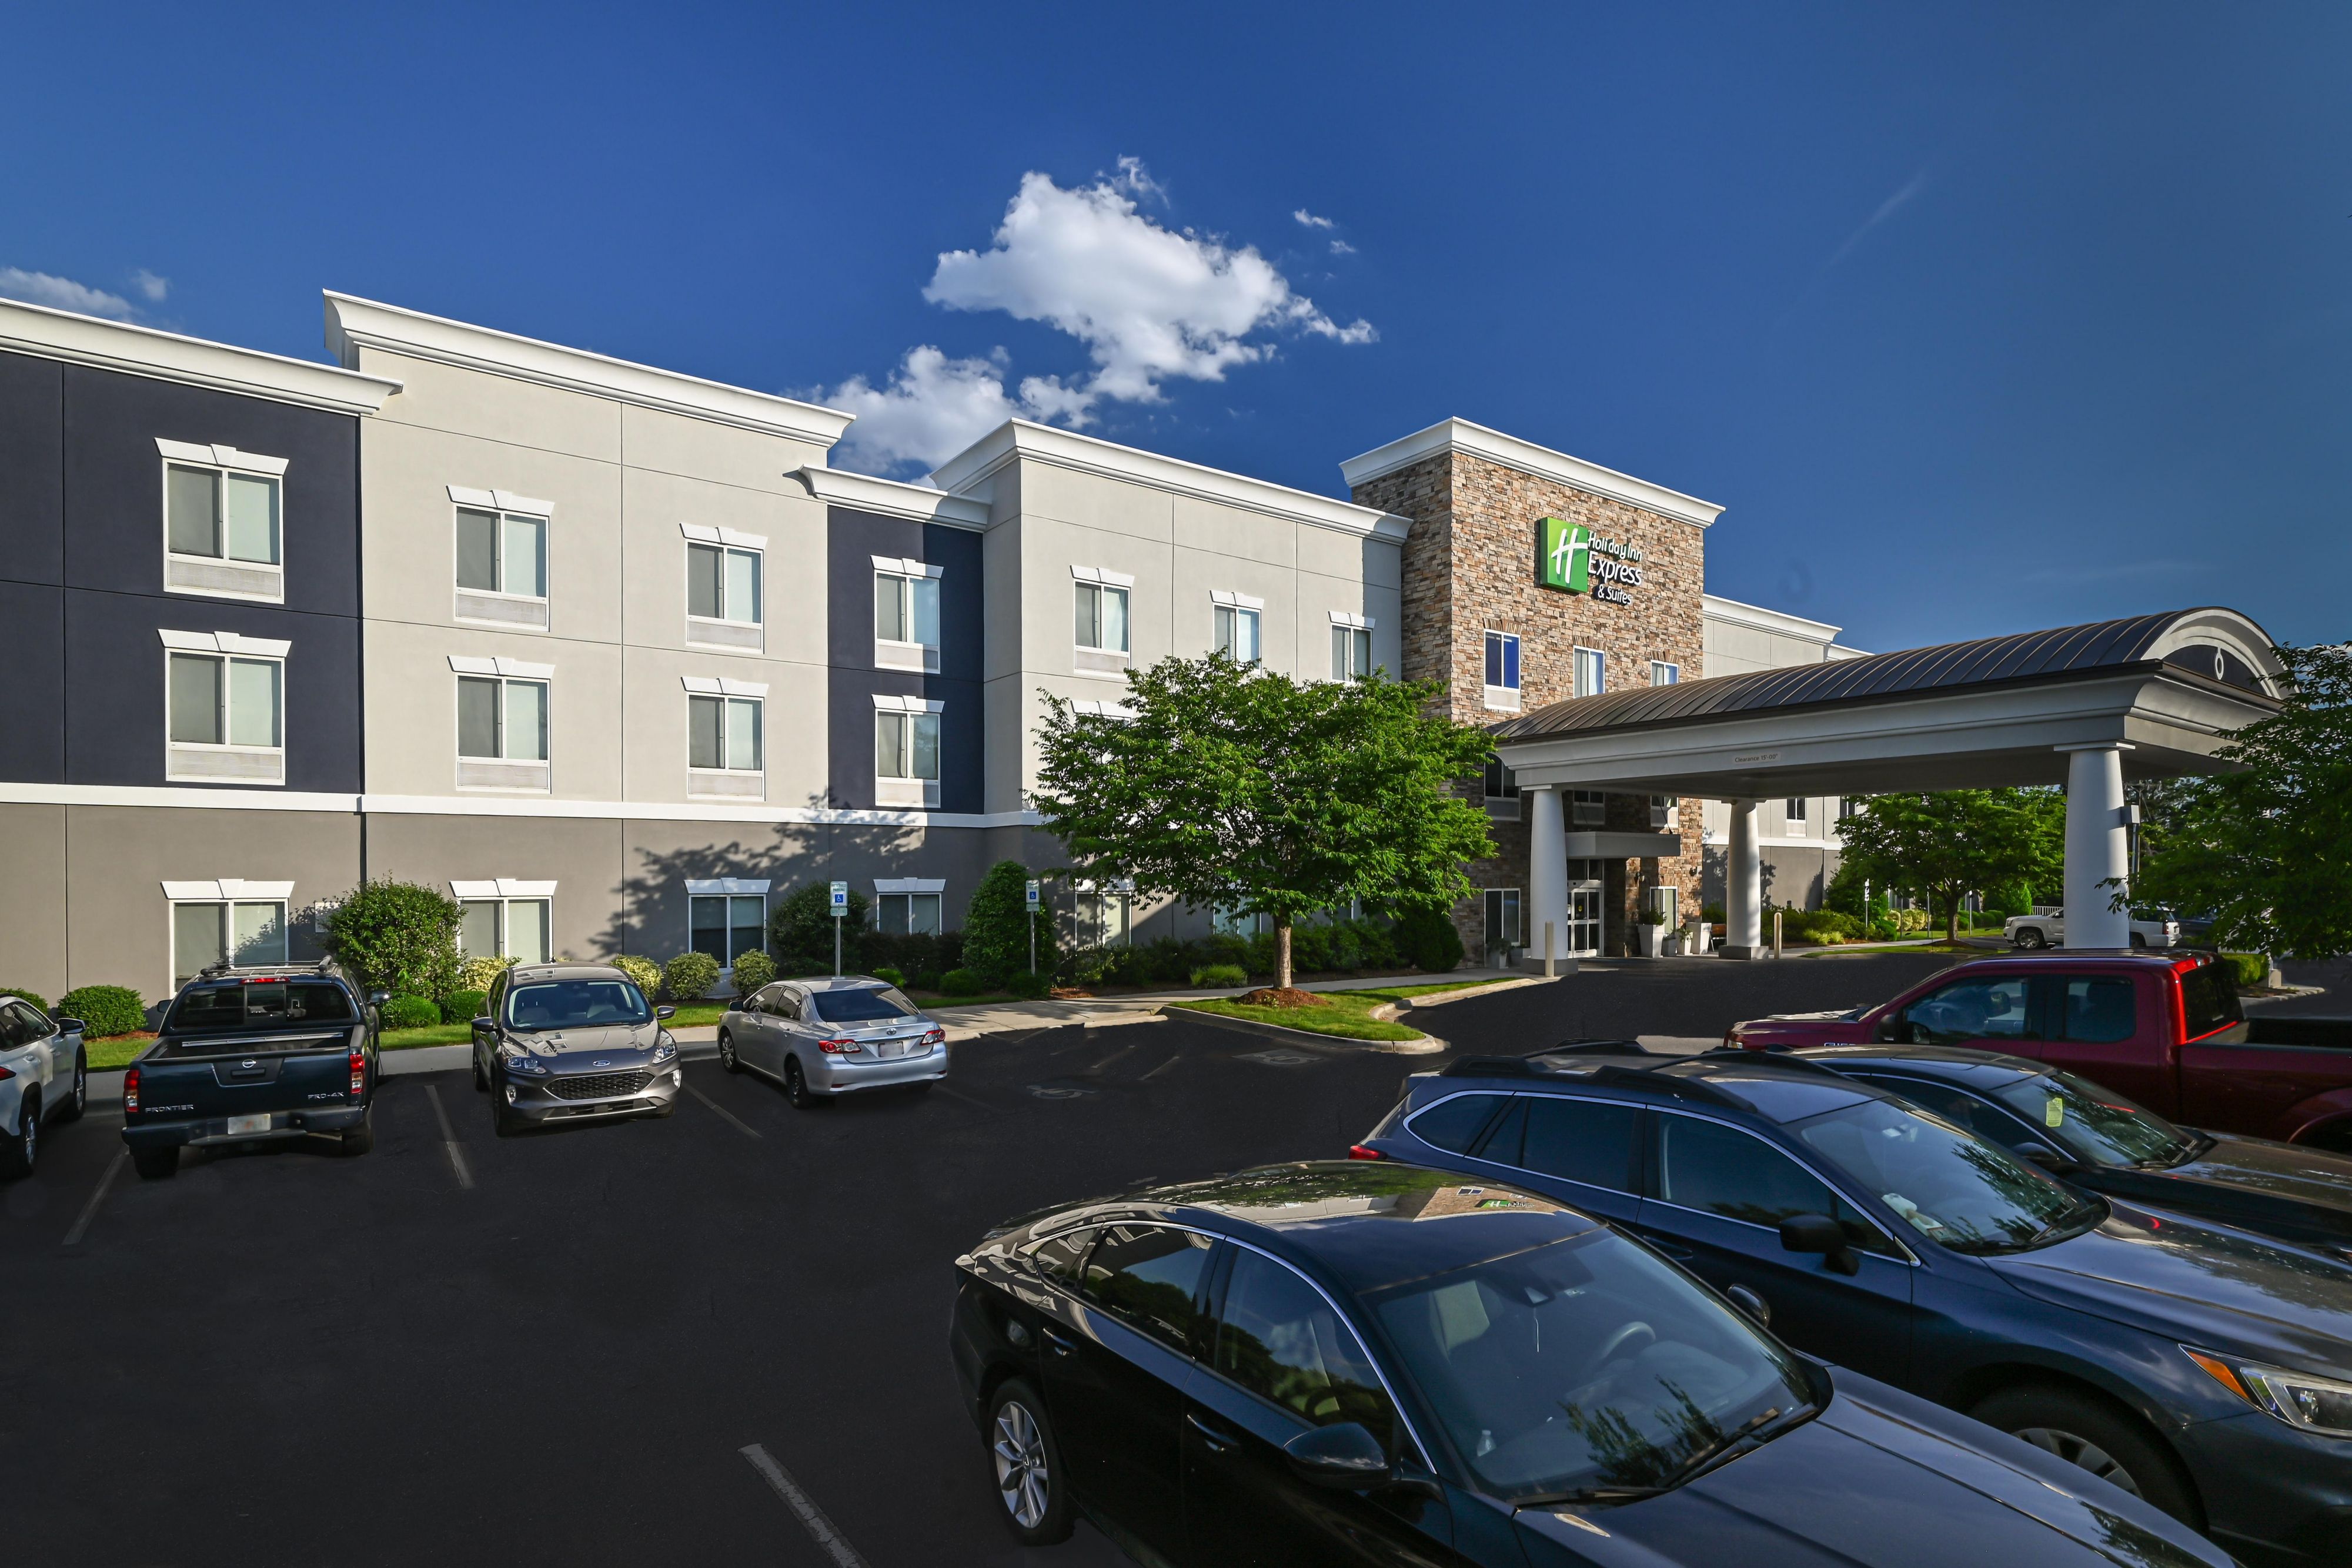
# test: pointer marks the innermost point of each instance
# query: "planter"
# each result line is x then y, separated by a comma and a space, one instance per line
1653, 939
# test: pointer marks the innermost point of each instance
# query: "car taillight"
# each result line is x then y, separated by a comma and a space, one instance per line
838, 1047
1364, 1152
5, 1074
130, 1092
358, 1073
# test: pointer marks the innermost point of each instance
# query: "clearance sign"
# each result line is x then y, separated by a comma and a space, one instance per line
1571, 560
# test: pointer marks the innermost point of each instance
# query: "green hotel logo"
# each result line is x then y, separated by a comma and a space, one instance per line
1565, 561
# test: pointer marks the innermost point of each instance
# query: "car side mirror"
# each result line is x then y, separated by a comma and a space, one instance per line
68, 1026
1888, 1029
1754, 1305
1343, 1456
377, 999
483, 1022
665, 1012
1819, 1233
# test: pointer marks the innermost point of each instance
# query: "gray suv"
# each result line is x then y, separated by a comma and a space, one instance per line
560, 1042
823, 1038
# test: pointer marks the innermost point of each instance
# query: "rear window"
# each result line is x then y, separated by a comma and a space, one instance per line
258, 1004
1454, 1125
2209, 1001
873, 1004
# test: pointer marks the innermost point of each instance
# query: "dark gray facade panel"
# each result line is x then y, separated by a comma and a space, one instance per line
32, 469
114, 730
32, 683
849, 700
852, 541
113, 505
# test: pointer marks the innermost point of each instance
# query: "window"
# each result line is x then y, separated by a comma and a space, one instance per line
1723, 1171
247, 932
723, 732
722, 584
1058, 1255
906, 615
1503, 927
1993, 1009
1227, 922
1664, 675
907, 746
1455, 1124
1502, 672
1236, 630
502, 719
1665, 813
727, 926
1591, 673
1587, 809
1147, 1276
1351, 646
1584, 1141
1105, 913
1848, 805
1102, 618
513, 928
1501, 790
223, 534
908, 914
1794, 813
1279, 1338
226, 702
501, 558
2097, 1012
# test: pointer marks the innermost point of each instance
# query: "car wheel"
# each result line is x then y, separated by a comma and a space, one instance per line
2086, 1432
1027, 1466
727, 1058
796, 1089
359, 1140
2139, 939
2030, 938
72, 1109
154, 1164
22, 1151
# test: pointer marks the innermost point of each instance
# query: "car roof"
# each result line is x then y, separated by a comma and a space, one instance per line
567, 970
1775, 1087
1369, 1224
840, 983
2162, 958
1952, 1063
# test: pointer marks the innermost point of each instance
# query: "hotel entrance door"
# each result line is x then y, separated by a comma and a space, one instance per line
1584, 890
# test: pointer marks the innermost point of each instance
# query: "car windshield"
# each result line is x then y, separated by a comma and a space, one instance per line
1587, 1363
2096, 1125
869, 1004
258, 1004
1953, 1188
576, 1004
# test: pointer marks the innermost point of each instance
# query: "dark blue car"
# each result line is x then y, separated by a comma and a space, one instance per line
2206, 1370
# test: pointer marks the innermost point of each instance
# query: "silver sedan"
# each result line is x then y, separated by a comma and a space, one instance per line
820, 1038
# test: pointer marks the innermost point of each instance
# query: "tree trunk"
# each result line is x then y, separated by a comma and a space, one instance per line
1282, 955
1952, 918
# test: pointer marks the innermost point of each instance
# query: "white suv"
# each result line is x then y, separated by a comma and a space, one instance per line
43, 1077
2047, 928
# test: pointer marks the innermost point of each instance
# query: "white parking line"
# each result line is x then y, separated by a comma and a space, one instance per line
90, 1209
747, 1131
822, 1530
449, 1140
1161, 1068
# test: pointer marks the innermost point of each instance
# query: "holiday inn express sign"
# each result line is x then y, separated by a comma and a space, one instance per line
1571, 558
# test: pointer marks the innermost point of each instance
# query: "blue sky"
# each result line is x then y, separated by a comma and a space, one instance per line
1977, 319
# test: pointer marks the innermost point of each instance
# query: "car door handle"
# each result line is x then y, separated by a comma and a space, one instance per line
1212, 1438
1058, 1343
1674, 1249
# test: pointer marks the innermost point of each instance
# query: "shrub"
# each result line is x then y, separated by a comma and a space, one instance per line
1022, 983
475, 974
410, 1012
689, 976
911, 952
1218, 977
800, 932
644, 971
879, 971
752, 970
996, 925
1310, 947
35, 998
104, 1011
963, 982
929, 980
397, 936
464, 1006
1426, 938
2250, 971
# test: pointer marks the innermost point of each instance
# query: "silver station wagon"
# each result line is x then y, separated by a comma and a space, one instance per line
823, 1038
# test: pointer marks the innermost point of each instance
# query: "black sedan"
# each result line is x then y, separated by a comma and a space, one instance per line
1343, 1363
2094, 1137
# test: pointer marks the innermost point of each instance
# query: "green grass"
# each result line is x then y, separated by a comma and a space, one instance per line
1346, 1015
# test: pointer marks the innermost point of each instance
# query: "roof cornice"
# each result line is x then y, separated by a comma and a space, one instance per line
1478, 440
353, 323
1019, 439
1718, 607
167, 356
839, 487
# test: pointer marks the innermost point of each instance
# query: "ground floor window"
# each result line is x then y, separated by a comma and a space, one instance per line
1587, 809
1238, 923
908, 915
1503, 922
513, 928
244, 932
726, 924
1665, 813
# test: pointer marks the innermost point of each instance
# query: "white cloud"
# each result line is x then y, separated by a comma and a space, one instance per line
933, 408
151, 287
1310, 220
1887, 209
63, 294
1341, 247
1137, 181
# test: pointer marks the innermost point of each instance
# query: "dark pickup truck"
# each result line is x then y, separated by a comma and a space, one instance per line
2164, 1030
251, 1055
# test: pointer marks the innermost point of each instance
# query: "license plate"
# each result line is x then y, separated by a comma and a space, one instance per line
238, 1125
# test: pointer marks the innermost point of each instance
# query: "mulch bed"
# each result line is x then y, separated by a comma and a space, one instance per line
1272, 997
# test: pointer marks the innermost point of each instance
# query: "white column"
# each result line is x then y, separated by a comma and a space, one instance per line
1743, 885
2098, 845
1546, 905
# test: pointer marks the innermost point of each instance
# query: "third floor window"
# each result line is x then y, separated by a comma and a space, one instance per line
223, 534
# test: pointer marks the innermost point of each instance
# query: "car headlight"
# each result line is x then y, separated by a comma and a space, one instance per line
2322, 1404
522, 1061
666, 1049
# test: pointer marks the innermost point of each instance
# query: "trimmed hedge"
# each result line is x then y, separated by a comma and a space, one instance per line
1217, 976
35, 998
475, 974
963, 982
2248, 971
104, 1011
1033, 987
689, 976
397, 936
752, 970
1426, 938
463, 1006
644, 971
410, 1012
880, 972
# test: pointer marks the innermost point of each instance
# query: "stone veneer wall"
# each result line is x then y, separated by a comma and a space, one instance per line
1469, 569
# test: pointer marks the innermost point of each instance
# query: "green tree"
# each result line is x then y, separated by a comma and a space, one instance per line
2267, 847
800, 932
1237, 788
1958, 842
396, 937
996, 926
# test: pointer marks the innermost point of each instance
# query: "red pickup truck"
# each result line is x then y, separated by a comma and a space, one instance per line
2165, 1030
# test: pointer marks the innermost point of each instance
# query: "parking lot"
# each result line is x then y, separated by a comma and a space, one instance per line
560, 1346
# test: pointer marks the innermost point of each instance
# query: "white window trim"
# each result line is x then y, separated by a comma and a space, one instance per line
731, 540
1347, 617
505, 891
1238, 600
882, 884
727, 887
910, 656
227, 459
706, 687
229, 891
885, 702
1501, 699
906, 566
1102, 575
508, 671
225, 645
1124, 585
905, 786
504, 504
1519, 893
1597, 806
502, 501
1657, 665
1577, 669
1240, 604
713, 887
1119, 712
516, 669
